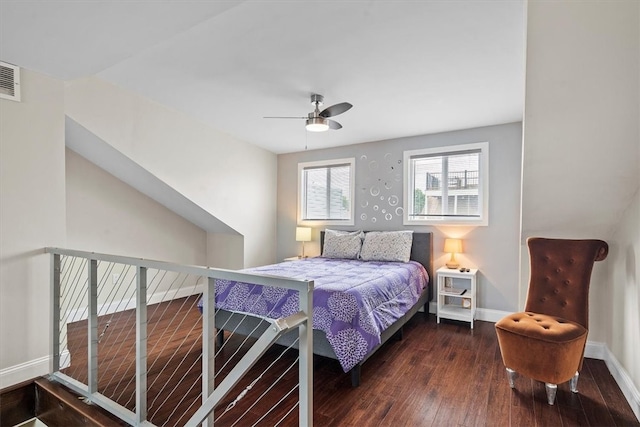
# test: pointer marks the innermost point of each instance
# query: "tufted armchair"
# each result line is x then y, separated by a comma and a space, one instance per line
546, 342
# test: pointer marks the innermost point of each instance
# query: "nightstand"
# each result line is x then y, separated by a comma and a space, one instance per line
457, 294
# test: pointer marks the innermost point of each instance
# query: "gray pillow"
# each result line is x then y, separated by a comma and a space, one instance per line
342, 244
387, 246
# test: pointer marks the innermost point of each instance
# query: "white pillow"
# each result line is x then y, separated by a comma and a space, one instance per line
387, 246
342, 244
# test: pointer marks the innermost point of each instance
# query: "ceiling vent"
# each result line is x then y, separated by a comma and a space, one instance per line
9, 81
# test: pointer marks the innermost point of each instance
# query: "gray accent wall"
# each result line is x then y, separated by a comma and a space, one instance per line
493, 249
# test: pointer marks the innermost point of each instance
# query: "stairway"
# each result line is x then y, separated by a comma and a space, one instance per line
45, 403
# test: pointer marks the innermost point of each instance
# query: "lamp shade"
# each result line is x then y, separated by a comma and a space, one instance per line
453, 246
303, 234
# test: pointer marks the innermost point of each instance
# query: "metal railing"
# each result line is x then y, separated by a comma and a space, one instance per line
127, 334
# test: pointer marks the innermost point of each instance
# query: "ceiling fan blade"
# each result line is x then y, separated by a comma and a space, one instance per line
334, 110
280, 117
334, 125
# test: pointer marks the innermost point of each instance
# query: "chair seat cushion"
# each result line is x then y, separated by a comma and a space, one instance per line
542, 327
545, 348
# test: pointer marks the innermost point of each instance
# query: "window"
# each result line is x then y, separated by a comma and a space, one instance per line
447, 185
326, 191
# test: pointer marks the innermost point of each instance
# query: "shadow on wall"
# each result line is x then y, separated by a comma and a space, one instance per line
631, 276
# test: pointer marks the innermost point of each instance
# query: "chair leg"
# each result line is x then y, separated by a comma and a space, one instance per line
573, 382
511, 374
552, 389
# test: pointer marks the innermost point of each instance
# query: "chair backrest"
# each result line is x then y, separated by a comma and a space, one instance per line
560, 276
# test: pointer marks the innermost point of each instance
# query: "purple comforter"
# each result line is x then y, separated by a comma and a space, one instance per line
353, 301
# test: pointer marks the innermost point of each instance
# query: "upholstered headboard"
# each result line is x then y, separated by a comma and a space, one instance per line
421, 251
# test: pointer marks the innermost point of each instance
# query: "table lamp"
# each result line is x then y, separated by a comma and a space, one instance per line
303, 234
453, 247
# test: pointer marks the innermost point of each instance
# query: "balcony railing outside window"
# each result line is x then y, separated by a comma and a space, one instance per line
456, 180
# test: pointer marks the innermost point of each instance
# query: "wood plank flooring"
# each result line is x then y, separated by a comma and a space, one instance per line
437, 375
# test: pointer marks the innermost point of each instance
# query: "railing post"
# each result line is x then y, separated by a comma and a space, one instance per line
55, 312
305, 364
92, 324
141, 344
208, 344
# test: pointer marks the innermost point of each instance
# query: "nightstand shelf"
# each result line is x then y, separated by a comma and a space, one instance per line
456, 294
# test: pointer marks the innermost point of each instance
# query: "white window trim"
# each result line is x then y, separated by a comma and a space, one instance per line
352, 185
483, 196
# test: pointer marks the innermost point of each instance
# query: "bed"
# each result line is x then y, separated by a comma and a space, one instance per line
342, 332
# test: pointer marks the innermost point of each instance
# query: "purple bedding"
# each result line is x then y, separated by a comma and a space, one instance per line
353, 301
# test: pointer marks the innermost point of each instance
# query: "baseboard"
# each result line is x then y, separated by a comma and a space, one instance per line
31, 369
484, 314
624, 381
489, 315
595, 350
117, 306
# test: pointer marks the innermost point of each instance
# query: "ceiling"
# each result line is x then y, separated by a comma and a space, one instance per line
408, 67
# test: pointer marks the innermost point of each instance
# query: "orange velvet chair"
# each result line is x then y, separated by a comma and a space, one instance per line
546, 342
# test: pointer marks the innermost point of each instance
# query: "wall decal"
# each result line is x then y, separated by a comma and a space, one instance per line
378, 177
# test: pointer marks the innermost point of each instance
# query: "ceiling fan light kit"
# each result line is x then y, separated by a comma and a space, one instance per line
317, 120
317, 124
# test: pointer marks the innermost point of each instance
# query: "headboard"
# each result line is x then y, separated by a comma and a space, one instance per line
421, 251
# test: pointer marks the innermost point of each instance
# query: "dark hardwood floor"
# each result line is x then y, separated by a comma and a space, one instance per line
437, 375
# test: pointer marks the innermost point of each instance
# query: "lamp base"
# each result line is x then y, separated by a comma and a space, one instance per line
452, 265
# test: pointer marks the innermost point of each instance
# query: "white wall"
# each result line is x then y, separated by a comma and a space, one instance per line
493, 249
581, 164
106, 215
231, 179
624, 288
32, 216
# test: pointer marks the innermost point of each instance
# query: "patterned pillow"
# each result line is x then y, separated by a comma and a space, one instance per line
387, 246
342, 244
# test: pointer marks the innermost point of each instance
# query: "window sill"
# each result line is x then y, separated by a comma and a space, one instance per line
322, 222
448, 221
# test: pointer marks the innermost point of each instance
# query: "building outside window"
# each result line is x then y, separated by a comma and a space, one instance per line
447, 185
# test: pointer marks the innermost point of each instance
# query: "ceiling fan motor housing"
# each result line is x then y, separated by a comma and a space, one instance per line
317, 100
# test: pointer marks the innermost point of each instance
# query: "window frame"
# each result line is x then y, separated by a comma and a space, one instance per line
351, 162
483, 185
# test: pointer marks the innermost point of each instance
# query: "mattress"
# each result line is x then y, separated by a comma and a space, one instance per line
353, 300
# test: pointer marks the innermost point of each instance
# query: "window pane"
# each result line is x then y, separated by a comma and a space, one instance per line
340, 205
316, 193
445, 184
326, 193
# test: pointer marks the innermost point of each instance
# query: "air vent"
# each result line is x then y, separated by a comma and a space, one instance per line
9, 81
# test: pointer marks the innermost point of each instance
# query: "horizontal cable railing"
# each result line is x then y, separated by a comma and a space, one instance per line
130, 336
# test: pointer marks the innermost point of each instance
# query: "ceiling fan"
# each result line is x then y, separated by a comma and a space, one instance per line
318, 121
